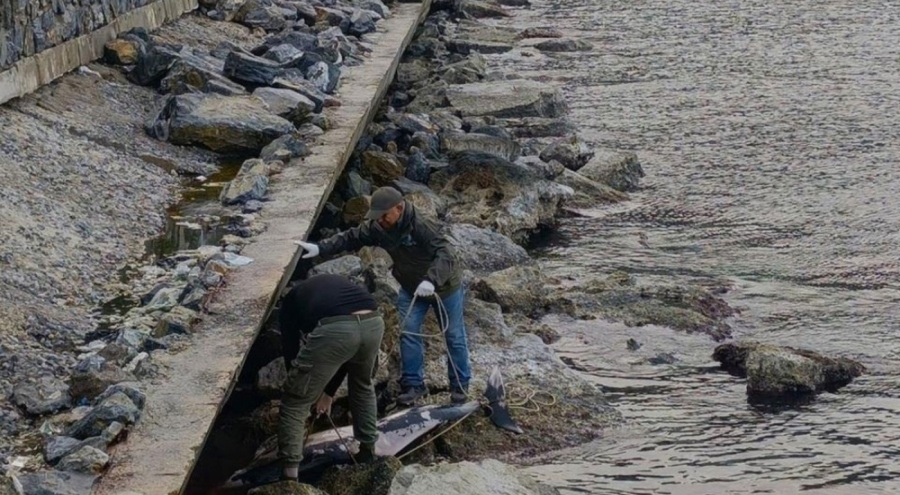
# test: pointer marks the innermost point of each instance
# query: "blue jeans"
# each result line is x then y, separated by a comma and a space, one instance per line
412, 348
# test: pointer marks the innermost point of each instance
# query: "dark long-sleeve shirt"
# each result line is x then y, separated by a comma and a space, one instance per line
315, 298
417, 245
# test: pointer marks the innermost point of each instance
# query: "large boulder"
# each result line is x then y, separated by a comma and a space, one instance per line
474, 37
196, 71
490, 192
287, 104
588, 193
224, 124
251, 70
571, 152
484, 251
775, 372
383, 168
87, 459
479, 9
518, 289
457, 141
487, 477
254, 13
244, 188
507, 99
619, 170
117, 408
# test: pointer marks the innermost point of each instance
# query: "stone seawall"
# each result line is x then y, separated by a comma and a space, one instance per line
40, 40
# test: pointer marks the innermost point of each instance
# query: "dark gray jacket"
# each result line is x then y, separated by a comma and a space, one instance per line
417, 245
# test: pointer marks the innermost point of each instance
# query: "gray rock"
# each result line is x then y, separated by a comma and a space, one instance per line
179, 320
518, 289
295, 80
56, 483
355, 185
475, 37
507, 99
572, 153
283, 53
413, 123
192, 298
775, 372
541, 32
220, 123
479, 9
588, 193
93, 376
536, 127
152, 66
287, 104
324, 76
417, 167
244, 188
271, 377
254, 14
164, 299
45, 395
118, 407
484, 251
362, 22
564, 45
252, 70
487, 477
10, 485
348, 265
376, 6
547, 170
619, 170
86, 459
309, 132
456, 142
59, 447
193, 72
285, 148
131, 389
251, 206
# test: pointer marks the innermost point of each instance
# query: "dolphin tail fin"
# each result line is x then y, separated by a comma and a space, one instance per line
496, 396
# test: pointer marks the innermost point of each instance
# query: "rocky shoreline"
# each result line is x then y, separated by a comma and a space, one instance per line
494, 157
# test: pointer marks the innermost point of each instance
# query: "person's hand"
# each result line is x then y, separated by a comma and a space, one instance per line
425, 289
323, 405
311, 249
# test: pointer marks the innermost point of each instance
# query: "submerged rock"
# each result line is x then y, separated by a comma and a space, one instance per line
507, 99
488, 477
221, 123
619, 170
775, 372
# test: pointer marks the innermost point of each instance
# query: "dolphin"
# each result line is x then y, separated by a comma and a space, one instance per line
397, 432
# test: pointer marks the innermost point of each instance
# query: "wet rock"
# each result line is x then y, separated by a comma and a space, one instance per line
564, 45
571, 152
179, 320
56, 483
588, 193
220, 123
121, 52
286, 488
251, 70
363, 479
620, 170
507, 99
87, 459
541, 32
484, 251
270, 378
504, 147
417, 168
536, 127
118, 407
479, 9
255, 14
488, 477
92, 376
43, 395
287, 104
518, 289
285, 148
382, 167
490, 192
775, 372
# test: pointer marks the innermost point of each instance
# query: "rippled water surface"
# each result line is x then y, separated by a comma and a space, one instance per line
770, 134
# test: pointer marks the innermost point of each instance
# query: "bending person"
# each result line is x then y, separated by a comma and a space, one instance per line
343, 331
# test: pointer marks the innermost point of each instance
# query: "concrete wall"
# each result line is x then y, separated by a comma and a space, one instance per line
41, 40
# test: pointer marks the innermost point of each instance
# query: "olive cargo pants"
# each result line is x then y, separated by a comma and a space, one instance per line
351, 339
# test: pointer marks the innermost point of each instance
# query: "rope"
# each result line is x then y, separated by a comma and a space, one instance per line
347, 447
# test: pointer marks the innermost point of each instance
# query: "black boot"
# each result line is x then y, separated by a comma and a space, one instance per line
366, 453
458, 395
411, 394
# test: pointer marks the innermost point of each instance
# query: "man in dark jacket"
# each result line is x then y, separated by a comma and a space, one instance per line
344, 331
428, 272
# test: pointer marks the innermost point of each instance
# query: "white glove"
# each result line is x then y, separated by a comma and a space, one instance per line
425, 289
311, 249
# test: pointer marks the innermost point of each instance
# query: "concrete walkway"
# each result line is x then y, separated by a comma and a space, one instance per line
160, 453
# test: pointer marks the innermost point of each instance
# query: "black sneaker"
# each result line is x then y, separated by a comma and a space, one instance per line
411, 394
366, 453
459, 395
